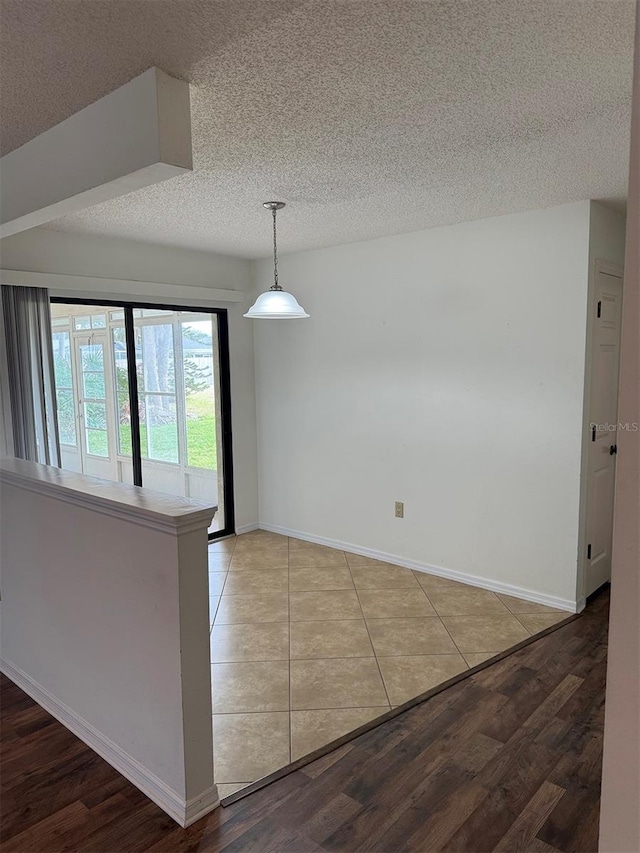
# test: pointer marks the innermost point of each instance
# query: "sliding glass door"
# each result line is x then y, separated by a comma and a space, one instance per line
143, 398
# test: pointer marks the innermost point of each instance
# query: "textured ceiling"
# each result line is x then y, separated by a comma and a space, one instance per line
369, 117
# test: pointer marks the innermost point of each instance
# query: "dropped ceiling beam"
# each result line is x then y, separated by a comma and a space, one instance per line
138, 135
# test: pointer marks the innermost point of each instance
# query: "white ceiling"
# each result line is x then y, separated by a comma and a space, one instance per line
368, 117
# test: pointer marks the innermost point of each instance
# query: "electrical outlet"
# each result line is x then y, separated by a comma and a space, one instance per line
399, 509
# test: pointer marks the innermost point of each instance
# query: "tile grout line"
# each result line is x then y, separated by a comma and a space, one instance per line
297, 710
515, 616
386, 692
357, 619
446, 629
532, 613
342, 657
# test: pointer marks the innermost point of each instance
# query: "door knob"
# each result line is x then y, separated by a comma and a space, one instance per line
613, 449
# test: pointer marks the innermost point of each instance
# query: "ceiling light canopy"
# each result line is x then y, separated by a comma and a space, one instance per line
276, 303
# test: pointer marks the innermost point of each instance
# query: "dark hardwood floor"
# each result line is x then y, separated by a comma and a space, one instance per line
507, 760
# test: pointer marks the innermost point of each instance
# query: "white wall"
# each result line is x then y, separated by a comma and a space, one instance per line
44, 250
607, 230
442, 368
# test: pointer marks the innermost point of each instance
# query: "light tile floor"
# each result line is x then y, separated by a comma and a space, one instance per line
309, 643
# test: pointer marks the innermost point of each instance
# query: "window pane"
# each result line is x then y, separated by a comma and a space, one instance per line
61, 343
161, 427
92, 357
97, 442
98, 321
122, 389
59, 321
62, 359
156, 312
82, 322
157, 354
66, 417
197, 353
124, 437
94, 386
95, 415
144, 432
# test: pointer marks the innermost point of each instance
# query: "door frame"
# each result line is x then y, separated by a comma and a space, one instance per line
222, 325
598, 266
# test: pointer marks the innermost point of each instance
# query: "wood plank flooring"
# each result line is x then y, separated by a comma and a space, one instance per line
507, 760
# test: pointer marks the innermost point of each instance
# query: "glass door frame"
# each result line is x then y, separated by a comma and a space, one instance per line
100, 338
222, 326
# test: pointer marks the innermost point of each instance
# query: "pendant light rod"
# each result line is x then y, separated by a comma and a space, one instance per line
274, 206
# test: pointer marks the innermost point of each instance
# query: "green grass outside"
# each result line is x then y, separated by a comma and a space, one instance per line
201, 442
163, 439
201, 430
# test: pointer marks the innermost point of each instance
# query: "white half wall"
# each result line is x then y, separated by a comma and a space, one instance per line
105, 623
43, 250
444, 369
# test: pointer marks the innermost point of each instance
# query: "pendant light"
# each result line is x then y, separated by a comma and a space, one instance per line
276, 303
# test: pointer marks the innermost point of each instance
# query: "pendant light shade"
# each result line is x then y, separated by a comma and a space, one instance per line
276, 303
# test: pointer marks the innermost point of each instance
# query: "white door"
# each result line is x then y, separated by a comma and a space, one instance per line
603, 416
96, 431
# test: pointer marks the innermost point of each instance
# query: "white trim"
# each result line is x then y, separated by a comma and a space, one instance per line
184, 812
247, 528
70, 286
198, 807
133, 504
439, 571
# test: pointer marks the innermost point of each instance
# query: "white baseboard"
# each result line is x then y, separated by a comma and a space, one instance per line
184, 812
451, 574
198, 807
247, 528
